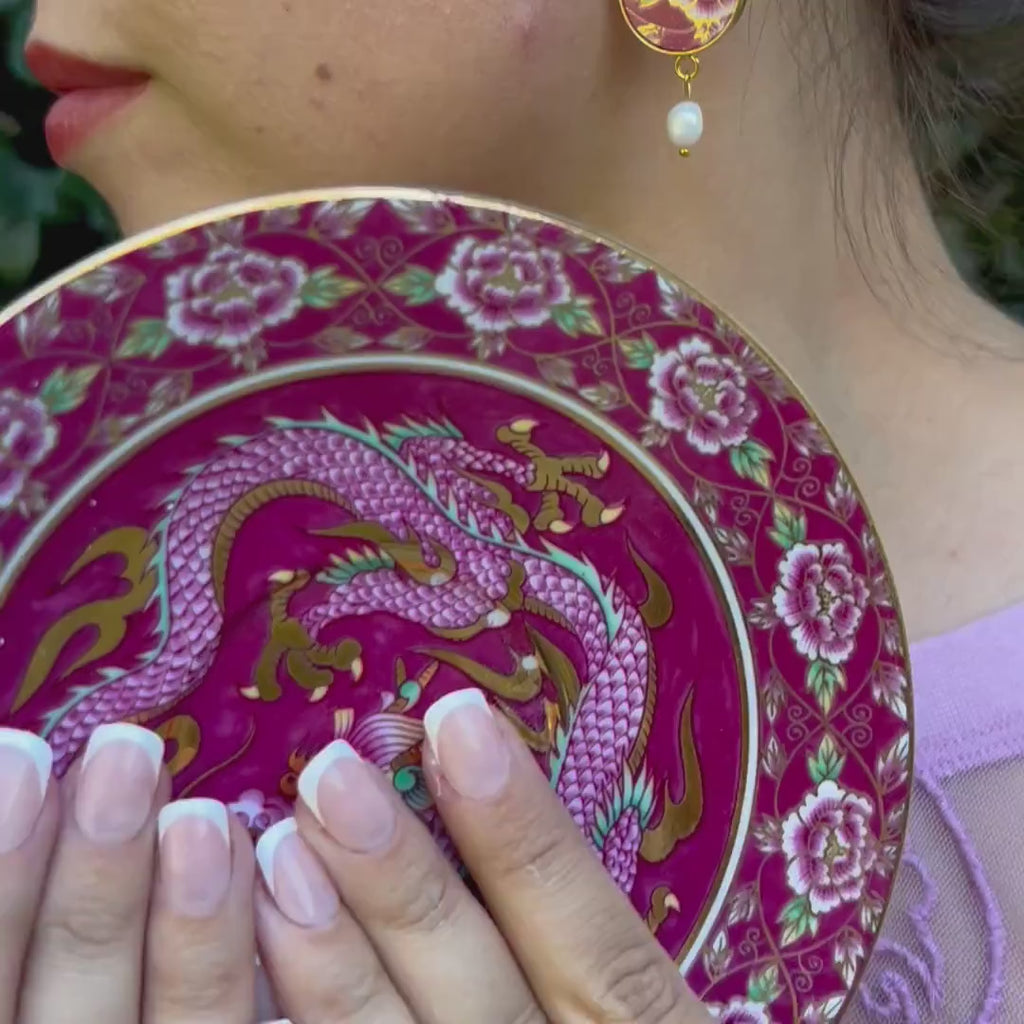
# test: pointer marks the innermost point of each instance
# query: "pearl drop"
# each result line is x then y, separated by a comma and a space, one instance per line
685, 124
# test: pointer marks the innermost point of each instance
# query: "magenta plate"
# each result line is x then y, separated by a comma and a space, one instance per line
681, 26
292, 470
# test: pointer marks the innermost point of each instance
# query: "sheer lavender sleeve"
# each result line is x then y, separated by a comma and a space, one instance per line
952, 946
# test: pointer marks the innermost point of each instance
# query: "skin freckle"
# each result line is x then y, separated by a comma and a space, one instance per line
324, 73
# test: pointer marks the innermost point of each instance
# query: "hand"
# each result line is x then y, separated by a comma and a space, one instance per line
359, 917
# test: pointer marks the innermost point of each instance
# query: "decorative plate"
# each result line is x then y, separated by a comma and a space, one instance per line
681, 26
289, 471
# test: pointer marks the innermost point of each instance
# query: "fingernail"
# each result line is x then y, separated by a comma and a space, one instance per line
195, 856
295, 878
25, 765
347, 796
470, 749
120, 770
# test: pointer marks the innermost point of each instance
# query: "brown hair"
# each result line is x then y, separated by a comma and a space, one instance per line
957, 65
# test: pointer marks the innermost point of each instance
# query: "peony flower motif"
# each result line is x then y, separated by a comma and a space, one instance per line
706, 10
504, 283
229, 299
701, 394
258, 812
740, 1011
830, 847
822, 600
27, 435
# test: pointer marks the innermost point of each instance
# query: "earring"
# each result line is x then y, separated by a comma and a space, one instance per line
683, 29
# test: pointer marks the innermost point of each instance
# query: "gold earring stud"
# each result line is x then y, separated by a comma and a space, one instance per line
683, 29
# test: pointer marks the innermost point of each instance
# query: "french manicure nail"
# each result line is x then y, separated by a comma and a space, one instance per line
195, 856
26, 762
348, 798
470, 749
120, 770
295, 878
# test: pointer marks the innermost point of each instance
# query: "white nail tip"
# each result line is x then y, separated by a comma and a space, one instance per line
33, 747
266, 848
309, 780
121, 732
441, 709
212, 811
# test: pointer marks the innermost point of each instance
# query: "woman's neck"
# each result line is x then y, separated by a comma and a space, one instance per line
920, 382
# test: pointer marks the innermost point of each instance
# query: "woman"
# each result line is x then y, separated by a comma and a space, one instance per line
553, 104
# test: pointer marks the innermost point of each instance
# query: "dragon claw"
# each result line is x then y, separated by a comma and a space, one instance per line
604, 462
498, 617
250, 692
356, 668
523, 426
560, 526
318, 694
611, 514
672, 902
282, 578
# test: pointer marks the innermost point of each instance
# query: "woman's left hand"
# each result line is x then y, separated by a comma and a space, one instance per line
363, 920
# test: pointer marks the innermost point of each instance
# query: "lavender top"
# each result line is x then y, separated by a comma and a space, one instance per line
950, 951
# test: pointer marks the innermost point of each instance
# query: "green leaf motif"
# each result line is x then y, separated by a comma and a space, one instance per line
827, 764
790, 527
797, 920
825, 681
752, 461
65, 390
147, 339
639, 352
763, 987
576, 317
414, 284
325, 288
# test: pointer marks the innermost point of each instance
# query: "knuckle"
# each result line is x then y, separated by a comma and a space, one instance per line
538, 852
192, 975
427, 901
528, 1015
90, 925
636, 985
357, 997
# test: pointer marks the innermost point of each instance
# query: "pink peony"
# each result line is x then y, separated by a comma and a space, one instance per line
258, 812
228, 300
830, 847
712, 10
27, 435
504, 283
703, 395
822, 600
740, 1011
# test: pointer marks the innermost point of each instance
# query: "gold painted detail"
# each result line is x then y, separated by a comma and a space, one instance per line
679, 819
551, 479
309, 664
247, 506
106, 618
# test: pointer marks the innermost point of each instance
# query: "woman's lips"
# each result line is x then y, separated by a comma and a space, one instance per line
88, 95
77, 115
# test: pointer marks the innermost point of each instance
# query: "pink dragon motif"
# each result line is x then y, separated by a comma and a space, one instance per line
422, 488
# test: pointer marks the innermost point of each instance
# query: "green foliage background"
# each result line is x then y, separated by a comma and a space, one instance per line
49, 219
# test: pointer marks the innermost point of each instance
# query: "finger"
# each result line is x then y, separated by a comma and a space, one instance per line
29, 815
546, 888
435, 940
320, 963
200, 948
91, 925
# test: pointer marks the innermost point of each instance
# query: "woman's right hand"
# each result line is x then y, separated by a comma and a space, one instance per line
119, 907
